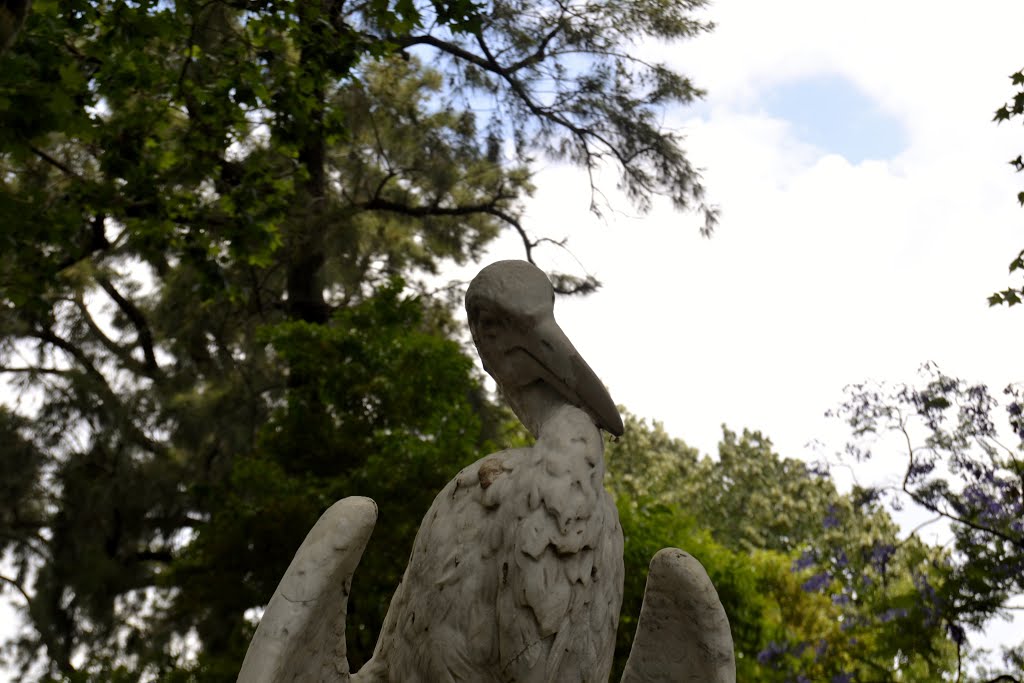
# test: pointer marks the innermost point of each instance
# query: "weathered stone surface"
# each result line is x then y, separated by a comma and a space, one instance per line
302, 634
516, 573
683, 633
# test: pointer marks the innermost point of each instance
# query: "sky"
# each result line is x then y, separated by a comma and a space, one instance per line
867, 206
867, 211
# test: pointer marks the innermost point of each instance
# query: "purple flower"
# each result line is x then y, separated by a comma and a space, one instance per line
831, 520
843, 677
866, 496
880, 556
803, 562
893, 613
771, 652
816, 583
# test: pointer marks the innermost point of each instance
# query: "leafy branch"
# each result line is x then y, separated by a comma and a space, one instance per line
1012, 296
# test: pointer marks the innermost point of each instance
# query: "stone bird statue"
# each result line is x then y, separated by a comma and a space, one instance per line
516, 572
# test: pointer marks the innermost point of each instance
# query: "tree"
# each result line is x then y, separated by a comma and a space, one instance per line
816, 584
217, 218
142, 451
756, 499
12, 16
957, 467
1011, 296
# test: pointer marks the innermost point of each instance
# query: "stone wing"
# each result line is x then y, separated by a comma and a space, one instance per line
683, 634
301, 636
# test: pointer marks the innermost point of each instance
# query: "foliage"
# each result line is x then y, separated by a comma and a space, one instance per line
958, 468
154, 115
816, 584
755, 499
646, 463
1011, 296
207, 210
390, 415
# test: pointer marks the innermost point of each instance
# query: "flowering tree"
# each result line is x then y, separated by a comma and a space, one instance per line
817, 584
963, 468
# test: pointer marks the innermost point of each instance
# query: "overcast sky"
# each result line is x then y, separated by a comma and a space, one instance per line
867, 211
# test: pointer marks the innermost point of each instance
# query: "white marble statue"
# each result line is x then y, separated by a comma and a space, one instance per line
516, 572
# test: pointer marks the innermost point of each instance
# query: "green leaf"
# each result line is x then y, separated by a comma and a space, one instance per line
1010, 297
1018, 103
1018, 262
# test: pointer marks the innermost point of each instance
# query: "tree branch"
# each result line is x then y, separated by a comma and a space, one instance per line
18, 587
917, 498
138, 320
30, 370
421, 211
540, 53
109, 344
66, 170
97, 242
449, 48
104, 389
162, 556
490, 64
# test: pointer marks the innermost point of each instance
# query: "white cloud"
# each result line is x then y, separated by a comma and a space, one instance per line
823, 272
894, 51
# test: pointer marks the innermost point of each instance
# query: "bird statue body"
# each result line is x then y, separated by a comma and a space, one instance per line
516, 572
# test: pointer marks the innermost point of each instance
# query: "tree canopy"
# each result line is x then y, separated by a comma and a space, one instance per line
961, 466
818, 585
219, 220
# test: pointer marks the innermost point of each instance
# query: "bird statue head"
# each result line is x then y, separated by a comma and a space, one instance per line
510, 305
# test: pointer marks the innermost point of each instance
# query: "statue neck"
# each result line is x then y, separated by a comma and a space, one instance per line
535, 405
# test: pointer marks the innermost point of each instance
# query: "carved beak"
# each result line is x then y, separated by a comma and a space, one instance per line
558, 363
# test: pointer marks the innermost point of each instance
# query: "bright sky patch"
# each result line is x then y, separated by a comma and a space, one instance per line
834, 115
